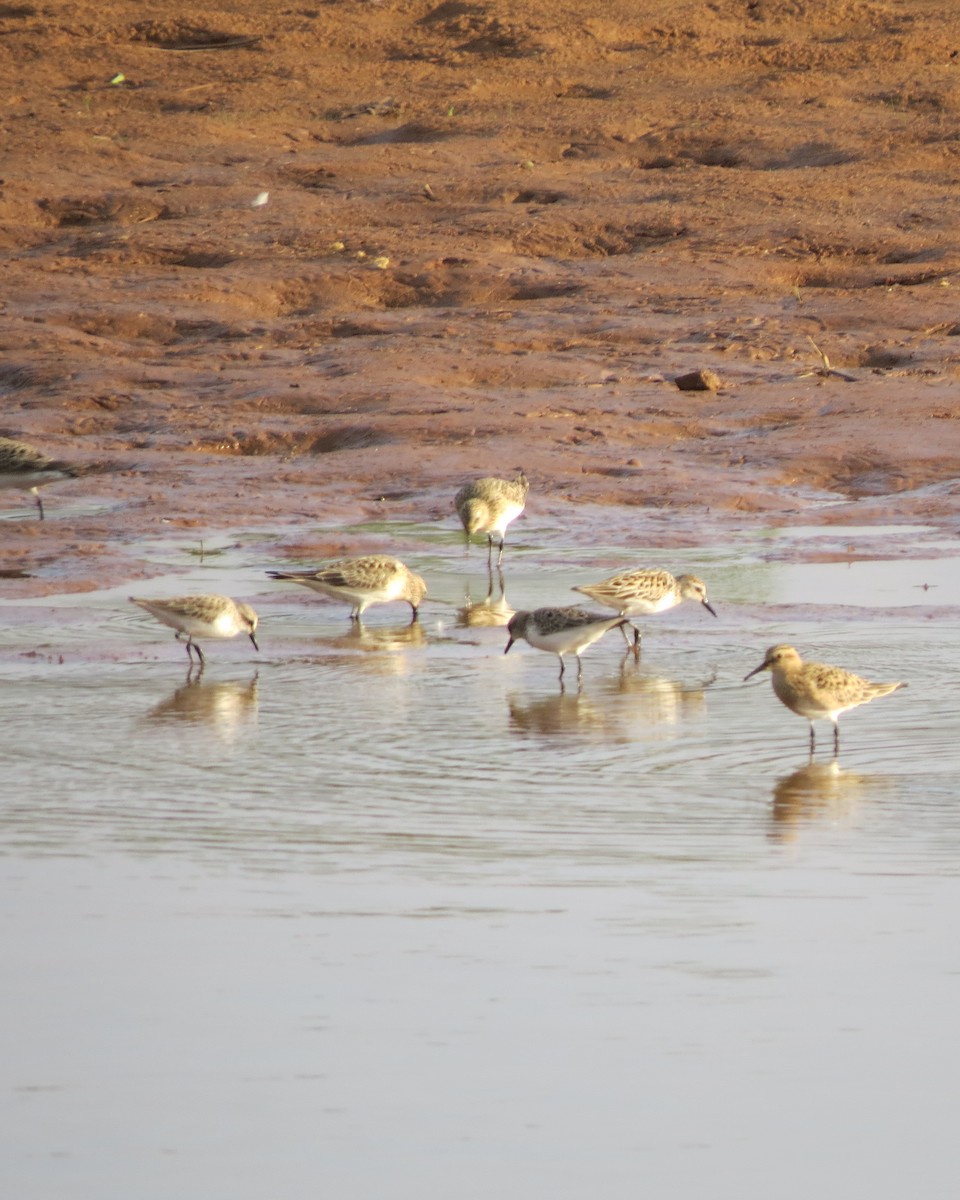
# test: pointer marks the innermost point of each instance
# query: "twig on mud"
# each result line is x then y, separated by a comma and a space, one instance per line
826, 369
231, 44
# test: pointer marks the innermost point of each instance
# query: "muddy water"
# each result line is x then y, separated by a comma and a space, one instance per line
379, 910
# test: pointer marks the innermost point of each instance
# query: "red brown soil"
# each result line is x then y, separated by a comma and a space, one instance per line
494, 235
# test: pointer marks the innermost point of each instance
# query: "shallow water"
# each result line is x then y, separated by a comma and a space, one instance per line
386, 913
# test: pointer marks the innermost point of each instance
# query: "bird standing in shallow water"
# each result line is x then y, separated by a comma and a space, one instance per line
360, 582
561, 631
206, 616
23, 467
818, 691
488, 506
646, 591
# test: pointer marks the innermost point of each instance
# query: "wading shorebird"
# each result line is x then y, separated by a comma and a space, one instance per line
643, 591
489, 505
561, 631
360, 582
203, 616
23, 467
818, 691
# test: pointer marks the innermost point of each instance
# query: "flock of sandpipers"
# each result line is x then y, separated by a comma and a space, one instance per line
487, 506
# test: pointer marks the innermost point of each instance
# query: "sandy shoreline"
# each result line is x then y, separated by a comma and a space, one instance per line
506, 265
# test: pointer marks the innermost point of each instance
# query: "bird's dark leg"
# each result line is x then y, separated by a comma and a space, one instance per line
500, 555
560, 656
416, 613
192, 645
836, 738
36, 496
812, 738
579, 669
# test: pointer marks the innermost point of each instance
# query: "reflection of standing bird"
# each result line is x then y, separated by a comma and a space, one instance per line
561, 631
225, 707
818, 790
646, 591
488, 611
360, 582
489, 505
206, 616
27, 469
817, 691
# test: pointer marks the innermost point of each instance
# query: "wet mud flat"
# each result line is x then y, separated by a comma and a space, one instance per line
260, 283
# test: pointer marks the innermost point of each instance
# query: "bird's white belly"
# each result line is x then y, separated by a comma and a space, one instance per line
566, 641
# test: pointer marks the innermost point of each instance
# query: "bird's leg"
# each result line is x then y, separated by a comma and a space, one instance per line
836, 738
812, 738
560, 656
36, 496
500, 555
489, 597
579, 669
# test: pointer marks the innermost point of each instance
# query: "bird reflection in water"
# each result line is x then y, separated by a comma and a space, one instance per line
223, 705
565, 712
660, 701
818, 791
612, 709
379, 637
492, 610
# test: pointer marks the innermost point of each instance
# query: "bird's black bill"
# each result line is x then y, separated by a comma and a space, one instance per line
708, 606
255, 646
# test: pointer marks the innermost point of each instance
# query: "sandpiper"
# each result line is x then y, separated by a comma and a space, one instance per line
23, 467
645, 590
360, 582
203, 616
561, 630
488, 506
818, 691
